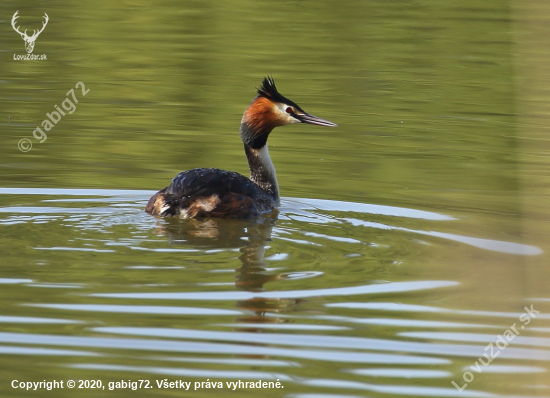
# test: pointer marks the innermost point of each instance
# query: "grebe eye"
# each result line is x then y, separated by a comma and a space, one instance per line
289, 110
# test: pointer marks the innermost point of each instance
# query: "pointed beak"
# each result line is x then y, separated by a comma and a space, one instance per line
310, 119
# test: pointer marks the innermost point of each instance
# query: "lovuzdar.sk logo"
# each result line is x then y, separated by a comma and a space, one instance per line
30, 41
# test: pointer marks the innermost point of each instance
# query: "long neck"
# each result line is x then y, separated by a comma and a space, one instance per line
262, 171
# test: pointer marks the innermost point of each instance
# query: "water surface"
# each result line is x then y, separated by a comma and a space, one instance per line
409, 238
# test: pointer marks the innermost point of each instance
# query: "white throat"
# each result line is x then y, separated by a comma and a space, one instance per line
262, 171
267, 164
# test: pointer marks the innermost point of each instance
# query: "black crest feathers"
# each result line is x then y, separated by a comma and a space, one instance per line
269, 91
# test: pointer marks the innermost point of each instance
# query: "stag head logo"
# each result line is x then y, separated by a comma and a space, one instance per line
29, 41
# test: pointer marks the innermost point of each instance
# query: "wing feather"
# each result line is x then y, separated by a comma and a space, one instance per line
207, 182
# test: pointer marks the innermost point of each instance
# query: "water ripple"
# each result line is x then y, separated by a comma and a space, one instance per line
217, 348
139, 309
182, 372
325, 341
390, 287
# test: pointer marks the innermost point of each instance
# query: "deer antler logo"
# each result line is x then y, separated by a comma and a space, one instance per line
29, 41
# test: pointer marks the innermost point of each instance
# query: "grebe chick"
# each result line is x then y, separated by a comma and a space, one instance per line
225, 194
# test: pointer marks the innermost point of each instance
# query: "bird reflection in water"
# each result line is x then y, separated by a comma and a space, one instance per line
251, 237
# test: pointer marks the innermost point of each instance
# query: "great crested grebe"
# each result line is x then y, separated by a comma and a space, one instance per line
225, 194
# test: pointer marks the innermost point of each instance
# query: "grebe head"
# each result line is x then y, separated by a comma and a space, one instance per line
270, 109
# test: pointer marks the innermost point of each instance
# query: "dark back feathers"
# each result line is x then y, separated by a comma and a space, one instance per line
207, 182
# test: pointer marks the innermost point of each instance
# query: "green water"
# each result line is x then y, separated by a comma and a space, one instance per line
409, 238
